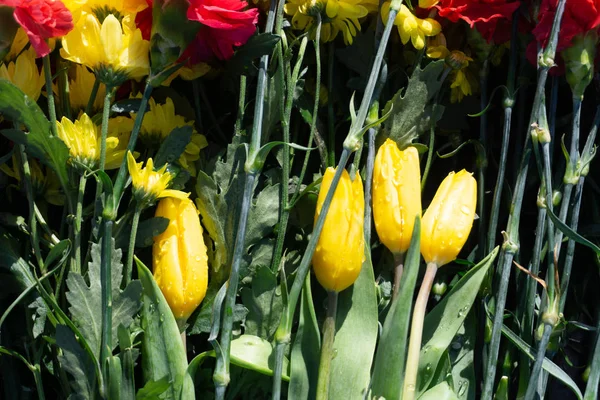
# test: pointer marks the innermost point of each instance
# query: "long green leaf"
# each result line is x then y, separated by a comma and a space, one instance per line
357, 328
442, 391
463, 359
444, 321
570, 233
548, 365
164, 355
388, 372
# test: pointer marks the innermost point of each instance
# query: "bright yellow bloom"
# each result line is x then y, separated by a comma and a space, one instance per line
148, 184
336, 16
80, 88
340, 251
24, 74
449, 218
44, 182
119, 128
160, 121
102, 8
179, 259
109, 48
396, 195
427, 3
410, 27
437, 47
18, 44
463, 81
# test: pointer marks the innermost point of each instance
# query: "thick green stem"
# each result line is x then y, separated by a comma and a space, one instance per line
371, 134
549, 224
398, 269
50, 94
130, 250
76, 265
106, 284
327, 352
39, 385
241, 106
416, 334
90, 105
593, 383
539, 359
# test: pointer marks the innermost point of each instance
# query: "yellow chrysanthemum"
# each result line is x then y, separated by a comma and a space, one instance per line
336, 16
114, 50
18, 44
148, 184
44, 182
80, 88
83, 140
102, 8
119, 128
160, 121
24, 74
462, 82
410, 27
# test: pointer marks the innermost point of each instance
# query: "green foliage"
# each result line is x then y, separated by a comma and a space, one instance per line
77, 363
442, 391
462, 356
149, 228
264, 304
257, 46
173, 146
86, 300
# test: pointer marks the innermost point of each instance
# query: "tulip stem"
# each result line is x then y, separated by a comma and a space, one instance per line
50, 94
327, 346
92, 99
76, 265
398, 269
130, 250
416, 333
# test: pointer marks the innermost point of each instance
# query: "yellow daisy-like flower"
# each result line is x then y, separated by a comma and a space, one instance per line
80, 88
44, 182
82, 137
24, 74
410, 27
148, 184
119, 128
18, 44
462, 82
114, 50
102, 8
160, 121
437, 47
336, 16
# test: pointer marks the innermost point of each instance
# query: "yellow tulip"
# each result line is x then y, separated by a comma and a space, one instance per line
449, 218
24, 74
180, 262
396, 195
339, 254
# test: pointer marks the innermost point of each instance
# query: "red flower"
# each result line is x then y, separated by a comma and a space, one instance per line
225, 26
41, 19
143, 20
483, 15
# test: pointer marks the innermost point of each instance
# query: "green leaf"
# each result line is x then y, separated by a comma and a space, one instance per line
153, 389
304, 367
548, 365
570, 233
412, 113
39, 142
442, 391
444, 321
127, 361
257, 46
86, 300
62, 249
76, 362
149, 228
126, 106
462, 355
264, 304
173, 146
162, 348
356, 336
388, 372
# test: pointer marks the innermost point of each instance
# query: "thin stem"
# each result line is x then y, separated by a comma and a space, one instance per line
539, 359
371, 134
131, 248
42, 221
398, 269
241, 106
568, 263
482, 163
593, 383
39, 385
76, 265
330, 110
104, 129
549, 224
327, 352
106, 282
416, 333
429, 157
90, 105
197, 109
63, 87
50, 94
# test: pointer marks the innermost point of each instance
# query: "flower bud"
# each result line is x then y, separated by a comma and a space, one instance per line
340, 251
579, 62
396, 195
180, 262
449, 218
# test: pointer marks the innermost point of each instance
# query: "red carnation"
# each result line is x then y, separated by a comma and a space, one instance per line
483, 15
143, 21
41, 19
225, 26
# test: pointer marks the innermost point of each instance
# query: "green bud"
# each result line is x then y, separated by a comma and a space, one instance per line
439, 288
556, 197
579, 62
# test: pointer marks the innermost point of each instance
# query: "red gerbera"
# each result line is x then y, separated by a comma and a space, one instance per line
483, 15
225, 26
41, 19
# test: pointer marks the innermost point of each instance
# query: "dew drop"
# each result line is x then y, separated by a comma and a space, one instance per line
465, 210
426, 349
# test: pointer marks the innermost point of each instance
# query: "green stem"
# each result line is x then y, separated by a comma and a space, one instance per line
50, 94
539, 359
593, 383
121, 180
398, 269
106, 284
327, 352
44, 225
330, 110
63, 87
416, 334
429, 157
104, 129
549, 223
76, 265
371, 135
197, 109
482, 163
39, 385
131, 248
241, 106
90, 105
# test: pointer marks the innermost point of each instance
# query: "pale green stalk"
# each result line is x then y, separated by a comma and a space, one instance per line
106, 285
92, 99
50, 95
130, 252
327, 351
76, 265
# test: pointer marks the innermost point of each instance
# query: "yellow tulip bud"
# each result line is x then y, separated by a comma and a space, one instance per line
339, 254
449, 218
179, 257
396, 195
